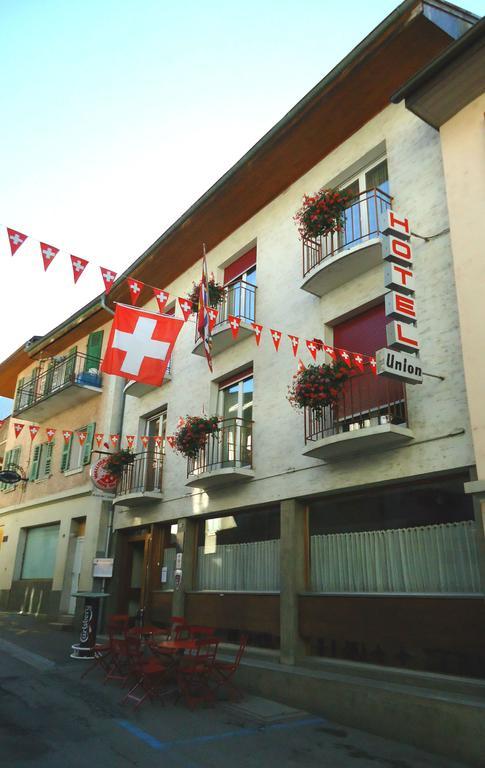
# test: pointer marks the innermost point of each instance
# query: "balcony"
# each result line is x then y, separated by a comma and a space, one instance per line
65, 383
139, 389
370, 415
333, 260
226, 457
141, 481
240, 300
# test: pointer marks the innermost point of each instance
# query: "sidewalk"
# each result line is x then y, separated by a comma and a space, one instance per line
37, 636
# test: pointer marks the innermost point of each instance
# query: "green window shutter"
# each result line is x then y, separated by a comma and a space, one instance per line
70, 365
18, 395
49, 377
86, 457
7, 460
93, 352
49, 448
15, 455
33, 385
34, 467
66, 452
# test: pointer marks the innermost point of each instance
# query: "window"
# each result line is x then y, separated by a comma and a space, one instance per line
40, 552
11, 459
155, 427
41, 465
75, 455
240, 282
236, 409
240, 552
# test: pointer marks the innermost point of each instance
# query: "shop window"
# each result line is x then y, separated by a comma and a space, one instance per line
418, 538
240, 552
40, 552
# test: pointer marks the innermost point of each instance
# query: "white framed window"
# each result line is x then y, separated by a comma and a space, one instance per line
74, 455
41, 465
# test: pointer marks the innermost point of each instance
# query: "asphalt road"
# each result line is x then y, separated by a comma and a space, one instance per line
49, 718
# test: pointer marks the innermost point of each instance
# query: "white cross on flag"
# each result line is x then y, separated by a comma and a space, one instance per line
33, 429
161, 297
99, 438
330, 352
234, 322
130, 440
108, 278
15, 239
276, 336
212, 315
257, 332
135, 289
50, 434
140, 344
145, 439
82, 437
345, 357
294, 343
115, 439
78, 266
373, 365
359, 361
186, 307
48, 253
67, 434
18, 429
312, 348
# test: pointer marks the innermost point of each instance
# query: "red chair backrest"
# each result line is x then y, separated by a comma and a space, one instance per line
242, 647
206, 651
134, 650
117, 623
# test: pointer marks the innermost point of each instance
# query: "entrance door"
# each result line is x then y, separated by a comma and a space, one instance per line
76, 572
135, 573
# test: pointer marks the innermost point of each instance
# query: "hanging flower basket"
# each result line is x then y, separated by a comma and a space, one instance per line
116, 461
321, 214
217, 293
191, 436
318, 385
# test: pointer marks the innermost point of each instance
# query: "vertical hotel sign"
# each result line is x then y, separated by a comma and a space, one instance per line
400, 360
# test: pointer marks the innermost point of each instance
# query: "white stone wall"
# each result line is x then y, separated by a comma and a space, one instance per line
436, 408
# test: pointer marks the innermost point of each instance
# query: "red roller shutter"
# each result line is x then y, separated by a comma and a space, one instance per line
364, 333
242, 264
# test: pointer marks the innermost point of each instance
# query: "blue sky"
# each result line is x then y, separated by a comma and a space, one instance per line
117, 115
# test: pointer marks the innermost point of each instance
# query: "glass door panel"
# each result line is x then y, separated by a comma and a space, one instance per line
376, 178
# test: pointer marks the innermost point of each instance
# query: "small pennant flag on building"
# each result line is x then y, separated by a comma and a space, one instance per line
312, 348
67, 434
48, 254
171, 441
186, 307
115, 439
33, 429
135, 289
344, 355
130, 440
257, 332
108, 278
145, 439
50, 434
78, 266
359, 361
301, 366
18, 429
99, 436
82, 437
212, 314
294, 343
158, 439
161, 297
276, 336
373, 365
234, 322
180, 422
330, 352
15, 239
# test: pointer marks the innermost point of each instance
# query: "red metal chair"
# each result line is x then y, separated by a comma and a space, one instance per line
116, 624
149, 674
224, 671
119, 666
195, 671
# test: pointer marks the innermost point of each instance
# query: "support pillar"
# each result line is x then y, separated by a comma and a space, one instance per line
186, 546
293, 548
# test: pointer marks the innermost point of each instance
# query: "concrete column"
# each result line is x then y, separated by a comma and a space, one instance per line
186, 545
292, 577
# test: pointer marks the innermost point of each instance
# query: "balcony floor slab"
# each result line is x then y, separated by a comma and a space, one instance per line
223, 476
138, 498
60, 400
138, 389
337, 270
222, 338
379, 437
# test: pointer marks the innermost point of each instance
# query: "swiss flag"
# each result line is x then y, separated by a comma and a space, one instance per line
161, 297
18, 429
330, 352
373, 365
33, 429
186, 307
312, 348
345, 356
359, 361
276, 336
67, 434
234, 322
257, 332
82, 437
78, 266
145, 439
294, 343
115, 439
48, 254
130, 440
140, 344
99, 436
135, 289
108, 278
50, 434
158, 439
15, 239
212, 315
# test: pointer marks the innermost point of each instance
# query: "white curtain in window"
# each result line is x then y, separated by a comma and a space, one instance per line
248, 567
40, 552
432, 558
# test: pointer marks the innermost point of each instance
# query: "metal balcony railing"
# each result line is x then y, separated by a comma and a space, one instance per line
230, 448
365, 401
59, 372
239, 300
361, 223
143, 475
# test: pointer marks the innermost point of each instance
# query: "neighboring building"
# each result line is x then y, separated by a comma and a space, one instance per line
54, 525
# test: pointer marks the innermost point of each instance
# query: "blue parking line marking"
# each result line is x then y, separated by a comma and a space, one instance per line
142, 735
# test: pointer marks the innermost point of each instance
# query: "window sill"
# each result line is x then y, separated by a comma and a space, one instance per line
41, 479
75, 471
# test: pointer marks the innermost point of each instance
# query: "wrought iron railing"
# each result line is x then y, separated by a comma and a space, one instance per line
361, 223
57, 374
366, 401
230, 447
143, 474
239, 300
